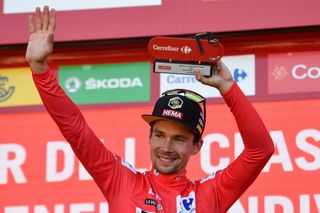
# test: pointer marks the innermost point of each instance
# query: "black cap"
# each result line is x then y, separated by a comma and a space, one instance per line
179, 109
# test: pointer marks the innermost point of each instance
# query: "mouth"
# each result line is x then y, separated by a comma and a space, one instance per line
166, 158
167, 163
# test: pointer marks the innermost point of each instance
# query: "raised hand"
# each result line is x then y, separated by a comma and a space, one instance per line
40, 44
220, 79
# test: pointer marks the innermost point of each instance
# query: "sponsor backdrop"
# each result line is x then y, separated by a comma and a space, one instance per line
86, 84
243, 70
109, 83
295, 72
16, 88
38, 168
108, 19
39, 173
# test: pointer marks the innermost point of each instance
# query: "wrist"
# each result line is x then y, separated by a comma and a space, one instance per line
38, 67
225, 86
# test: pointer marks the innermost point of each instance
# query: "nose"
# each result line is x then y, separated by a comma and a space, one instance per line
166, 144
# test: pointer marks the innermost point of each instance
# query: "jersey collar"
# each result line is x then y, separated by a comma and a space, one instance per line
169, 178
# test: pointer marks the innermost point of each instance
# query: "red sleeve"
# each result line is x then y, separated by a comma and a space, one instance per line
105, 167
258, 148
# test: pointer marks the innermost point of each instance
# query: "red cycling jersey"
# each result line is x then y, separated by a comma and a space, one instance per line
127, 190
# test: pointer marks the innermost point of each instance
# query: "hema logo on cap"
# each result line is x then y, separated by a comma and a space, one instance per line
172, 113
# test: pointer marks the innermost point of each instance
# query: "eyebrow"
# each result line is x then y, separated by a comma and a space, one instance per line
155, 130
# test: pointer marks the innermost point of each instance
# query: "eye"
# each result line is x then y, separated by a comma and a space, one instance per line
179, 139
157, 135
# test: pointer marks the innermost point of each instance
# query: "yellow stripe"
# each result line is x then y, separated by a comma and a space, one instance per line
17, 88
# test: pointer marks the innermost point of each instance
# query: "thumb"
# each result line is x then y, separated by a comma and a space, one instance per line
199, 76
218, 65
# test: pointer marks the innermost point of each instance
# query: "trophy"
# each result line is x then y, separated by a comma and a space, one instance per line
184, 55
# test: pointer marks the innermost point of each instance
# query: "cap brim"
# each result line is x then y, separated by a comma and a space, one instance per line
151, 118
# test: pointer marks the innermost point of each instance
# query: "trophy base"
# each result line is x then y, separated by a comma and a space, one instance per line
182, 68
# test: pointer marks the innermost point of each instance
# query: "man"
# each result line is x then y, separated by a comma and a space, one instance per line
177, 124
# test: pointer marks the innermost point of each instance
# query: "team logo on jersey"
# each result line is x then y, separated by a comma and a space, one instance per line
186, 204
150, 202
159, 207
155, 172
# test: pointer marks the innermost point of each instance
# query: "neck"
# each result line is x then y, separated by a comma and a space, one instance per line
169, 178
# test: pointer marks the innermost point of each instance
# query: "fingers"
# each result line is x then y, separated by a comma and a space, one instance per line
52, 20
38, 19
199, 76
45, 22
30, 25
218, 65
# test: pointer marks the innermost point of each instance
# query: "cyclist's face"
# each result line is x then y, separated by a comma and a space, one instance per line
171, 146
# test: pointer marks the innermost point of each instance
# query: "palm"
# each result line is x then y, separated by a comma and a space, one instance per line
40, 46
221, 74
40, 43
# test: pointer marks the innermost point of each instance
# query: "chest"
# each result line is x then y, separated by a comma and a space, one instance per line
163, 200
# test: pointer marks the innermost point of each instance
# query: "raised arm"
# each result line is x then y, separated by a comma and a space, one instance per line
105, 167
258, 146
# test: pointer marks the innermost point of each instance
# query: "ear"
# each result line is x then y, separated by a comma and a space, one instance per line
197, 147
